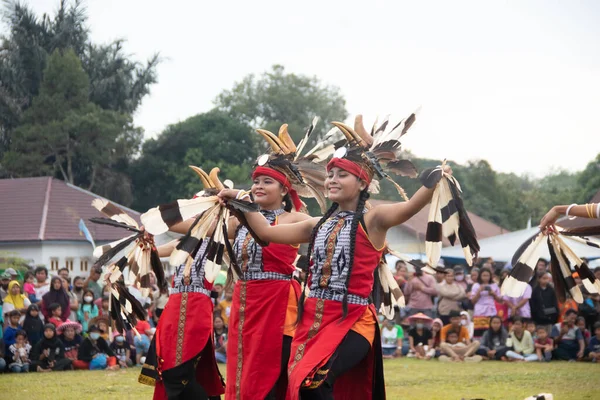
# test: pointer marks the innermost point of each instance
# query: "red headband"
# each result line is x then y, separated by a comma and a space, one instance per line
351, 167
281, 178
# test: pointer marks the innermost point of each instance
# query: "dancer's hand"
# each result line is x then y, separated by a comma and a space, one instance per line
227, 194
548, 221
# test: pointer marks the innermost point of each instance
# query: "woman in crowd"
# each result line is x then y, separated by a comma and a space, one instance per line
391, 339
484, 293
33, 324
436, 333
15, 300
95, 353
56, 295
49, 353
69, 333
74, 303
220, 337
87, 309
421, 338
493, 343
521, 342
450, 294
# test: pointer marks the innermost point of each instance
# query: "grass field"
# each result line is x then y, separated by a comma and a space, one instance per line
405, 379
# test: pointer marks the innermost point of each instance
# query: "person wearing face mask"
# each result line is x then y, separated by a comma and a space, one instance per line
94, 347
87, 309
450, 294
78, 288
420, 338
459, 277
121, 349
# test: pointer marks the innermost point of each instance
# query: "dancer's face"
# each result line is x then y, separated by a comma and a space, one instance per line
267, 191
342, 186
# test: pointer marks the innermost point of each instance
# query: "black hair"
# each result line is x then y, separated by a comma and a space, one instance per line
14, 313
40, 269
452, 332
542, 260
63, 269
517, 319
288, 205
597, 269
27, 275
53, 307
481, 271
492, 332
21, 332
580, 318
569, 312
597, 325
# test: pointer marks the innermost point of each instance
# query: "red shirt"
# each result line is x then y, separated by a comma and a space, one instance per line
142, 327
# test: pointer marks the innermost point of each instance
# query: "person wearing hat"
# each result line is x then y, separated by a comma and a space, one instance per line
4, 281
69, 334
420, 337
94, 346
49, 353
15, 300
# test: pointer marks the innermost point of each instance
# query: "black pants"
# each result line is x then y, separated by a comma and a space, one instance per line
279, 390
59, 365
349, 353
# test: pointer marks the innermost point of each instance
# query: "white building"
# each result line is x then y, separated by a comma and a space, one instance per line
39, 222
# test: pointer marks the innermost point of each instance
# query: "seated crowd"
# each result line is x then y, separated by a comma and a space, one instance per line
62, 323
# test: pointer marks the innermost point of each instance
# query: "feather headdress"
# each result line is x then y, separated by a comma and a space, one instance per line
304, 174
376, 153
447, 216
562, 260
210, 223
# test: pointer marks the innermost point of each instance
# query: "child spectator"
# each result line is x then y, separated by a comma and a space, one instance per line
33, 324
593, 349
87, 310
14, 300
49, 353
225, 305
530, 326
453, 350
568, 338
436, 331
19, 353
69, 335
521, 341
484, 293
95, 353
391, 339
519, 306
493, 343
580, 322
102, 323
55, 314
10, 333
465, 320
543, 345
421, 341
218, 289
2, 355
121, 349
220, 339
456, 325
142, 343
29, 287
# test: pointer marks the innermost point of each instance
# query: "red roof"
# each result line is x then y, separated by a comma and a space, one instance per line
418, 223
50, 209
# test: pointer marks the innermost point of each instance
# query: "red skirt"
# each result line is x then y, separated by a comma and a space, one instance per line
256, 329
184, 331
317, 337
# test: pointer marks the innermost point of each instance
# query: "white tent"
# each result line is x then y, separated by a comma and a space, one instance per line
503, 247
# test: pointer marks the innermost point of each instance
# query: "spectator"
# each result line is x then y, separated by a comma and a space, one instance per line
225, 305
544, 306
4, 281
519, 306
10, 333
567, 305
419, 291
87, 310
543, 345
465, 320
73, 302
580, 322
49, 353
391, 339
568, 338
69, 335
459, 277
493, 343
530, 326
472, 279
436, 331
541, 267
63, 273
521, 341
401, 274
2, 355
456, 325
161, 297
42, 286
218, 289
29, 287
593, 349
103, 323
55, 314
33, 324
14, 300
95, 353
453, 350
220, 339
484, 293
92, 284
57, 295
78, 289
420, 338
142, 343
121, 349
450, 294
19, 354
13, 274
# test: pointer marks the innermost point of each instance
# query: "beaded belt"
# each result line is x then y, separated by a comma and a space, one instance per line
190, 289
327, 294
263, 276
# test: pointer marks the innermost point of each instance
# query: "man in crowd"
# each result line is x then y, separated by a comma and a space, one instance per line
543, 303
419, 291
42, 285
568, 337
4, 281
64, 273
92, 284
456, 344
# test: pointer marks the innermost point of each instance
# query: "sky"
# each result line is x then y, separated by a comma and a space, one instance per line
514, 82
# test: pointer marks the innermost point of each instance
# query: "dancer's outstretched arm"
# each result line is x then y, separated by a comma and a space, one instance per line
574, 210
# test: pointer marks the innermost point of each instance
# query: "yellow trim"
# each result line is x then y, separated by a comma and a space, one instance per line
367, 235
146, 380
148, 366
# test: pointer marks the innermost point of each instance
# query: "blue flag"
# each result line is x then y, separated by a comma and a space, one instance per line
84, 230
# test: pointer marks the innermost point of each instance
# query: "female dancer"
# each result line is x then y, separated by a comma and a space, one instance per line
574, 210
337, 337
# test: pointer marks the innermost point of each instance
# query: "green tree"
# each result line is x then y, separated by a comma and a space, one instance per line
277, 97
208, 140
589, 181
64, 133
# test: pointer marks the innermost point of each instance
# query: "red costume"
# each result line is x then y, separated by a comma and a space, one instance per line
265, 300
